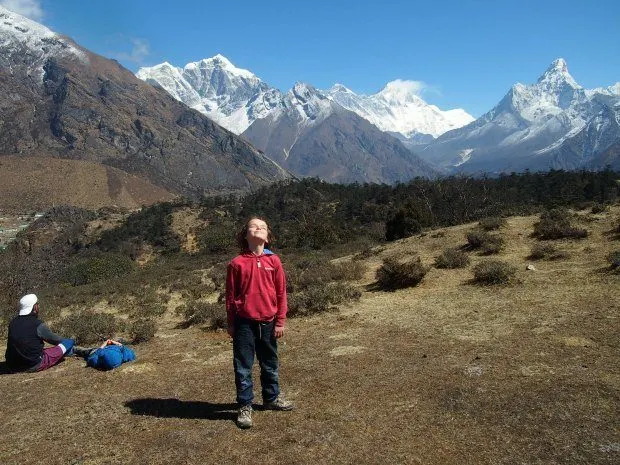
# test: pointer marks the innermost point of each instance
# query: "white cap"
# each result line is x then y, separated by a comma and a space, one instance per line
26, 303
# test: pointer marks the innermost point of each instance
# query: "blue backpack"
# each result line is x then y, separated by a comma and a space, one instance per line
110, 357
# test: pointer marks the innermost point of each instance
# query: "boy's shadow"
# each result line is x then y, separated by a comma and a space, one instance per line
175, 408
4, 369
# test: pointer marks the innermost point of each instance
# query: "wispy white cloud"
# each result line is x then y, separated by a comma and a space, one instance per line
29, 8
140, 50
408, 87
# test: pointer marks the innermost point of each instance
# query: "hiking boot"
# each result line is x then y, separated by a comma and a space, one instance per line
279, 403
81, 351
244, 417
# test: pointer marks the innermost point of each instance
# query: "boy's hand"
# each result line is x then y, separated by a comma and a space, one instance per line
231, 331
278, 331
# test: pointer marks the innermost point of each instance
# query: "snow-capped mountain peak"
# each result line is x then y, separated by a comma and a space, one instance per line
20, 36
554, 93
398, 108
305, 92
401, 92
557, 79
551, 123
311, 104
340, 88
219, 63
613, 90
232, 96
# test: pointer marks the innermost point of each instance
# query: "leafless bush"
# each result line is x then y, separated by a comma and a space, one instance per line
452, 258
396, 275
494, 272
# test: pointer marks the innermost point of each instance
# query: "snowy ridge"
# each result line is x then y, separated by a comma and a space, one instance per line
398, 108
171, 79
535, 126
31, 40
231, 96
235, 98
308, 104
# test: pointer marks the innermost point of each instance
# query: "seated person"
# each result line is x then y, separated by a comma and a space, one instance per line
111, 354
26, 339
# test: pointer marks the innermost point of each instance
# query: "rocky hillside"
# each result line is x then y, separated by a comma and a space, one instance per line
524, 372
63, 101
311, 135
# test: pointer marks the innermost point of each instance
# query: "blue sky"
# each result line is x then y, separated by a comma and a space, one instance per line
467, 53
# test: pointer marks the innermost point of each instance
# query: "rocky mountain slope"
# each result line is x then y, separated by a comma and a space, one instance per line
64, 101
312, 135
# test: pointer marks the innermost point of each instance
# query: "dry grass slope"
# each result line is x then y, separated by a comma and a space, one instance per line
37, 184
447, 372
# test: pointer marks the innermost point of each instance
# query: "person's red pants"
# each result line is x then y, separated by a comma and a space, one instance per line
51, 356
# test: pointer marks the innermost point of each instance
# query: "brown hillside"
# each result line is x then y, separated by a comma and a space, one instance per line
36, 184
82, 106
447, 372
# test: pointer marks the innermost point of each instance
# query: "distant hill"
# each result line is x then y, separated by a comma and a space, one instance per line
38, 183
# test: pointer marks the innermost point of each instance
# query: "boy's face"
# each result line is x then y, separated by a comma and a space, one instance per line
258, 232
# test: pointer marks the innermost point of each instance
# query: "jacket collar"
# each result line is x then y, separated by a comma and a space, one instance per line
266, 251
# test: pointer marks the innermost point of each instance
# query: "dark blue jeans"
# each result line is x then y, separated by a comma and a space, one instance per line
253, 337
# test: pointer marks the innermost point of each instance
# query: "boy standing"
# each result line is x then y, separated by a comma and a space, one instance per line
256, 309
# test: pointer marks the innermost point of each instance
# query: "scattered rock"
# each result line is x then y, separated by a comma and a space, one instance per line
346, 350
474, 370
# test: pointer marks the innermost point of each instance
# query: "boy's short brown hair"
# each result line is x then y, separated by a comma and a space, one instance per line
242, 235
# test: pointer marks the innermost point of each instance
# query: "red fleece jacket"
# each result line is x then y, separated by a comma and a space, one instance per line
256, 288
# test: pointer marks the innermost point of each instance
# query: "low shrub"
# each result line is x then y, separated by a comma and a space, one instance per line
97, 269
218, 276
347, 271
143, 302
8, 311
546, 252
320, 298
401, 224
494, 272
484, 241
556, 224
476, 238
492, 223
307, 273
452, 258
88, 327
396, 275
151, 225
198, 313
142, 330
218, 238
585, 205
494, 244
614, 260
599, 208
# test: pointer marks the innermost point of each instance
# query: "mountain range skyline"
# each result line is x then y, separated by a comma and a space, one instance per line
77, 111
551, 123
234, 97
459, 54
